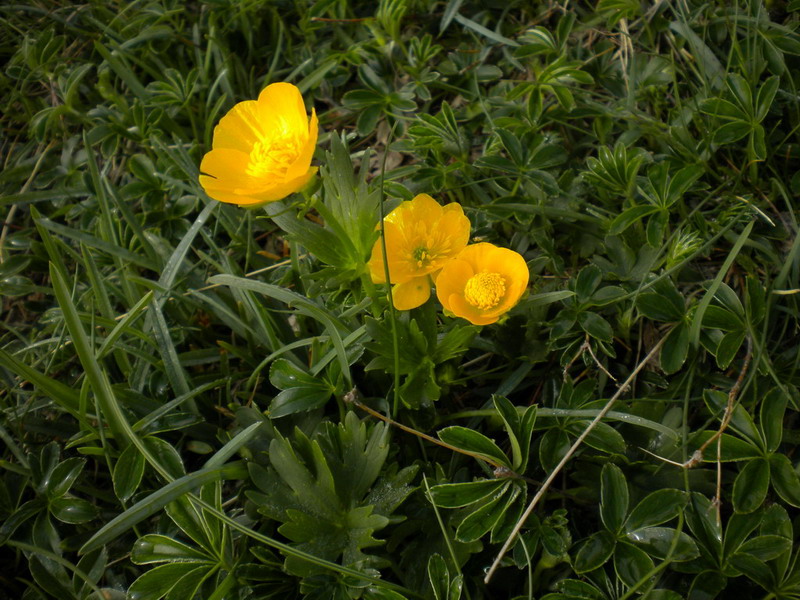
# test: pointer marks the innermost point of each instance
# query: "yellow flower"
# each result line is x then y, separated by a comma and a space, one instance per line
482, 283
262, 149
421, 235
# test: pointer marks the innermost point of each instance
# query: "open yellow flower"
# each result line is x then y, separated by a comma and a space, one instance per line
421, 235
262, 149
482, 283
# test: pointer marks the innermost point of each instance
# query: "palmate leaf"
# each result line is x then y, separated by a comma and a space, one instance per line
354, 457
420, 350
319, 489
412, 345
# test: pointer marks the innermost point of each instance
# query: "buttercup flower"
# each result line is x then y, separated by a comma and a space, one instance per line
482, 283
421, 235
262, 149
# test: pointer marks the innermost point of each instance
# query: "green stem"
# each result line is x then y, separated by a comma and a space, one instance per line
392, 312
566, 412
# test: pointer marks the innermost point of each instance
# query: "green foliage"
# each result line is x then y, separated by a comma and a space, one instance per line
203, 401
324, 491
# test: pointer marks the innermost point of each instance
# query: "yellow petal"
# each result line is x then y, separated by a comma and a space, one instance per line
423, 208
303, 160
450, 233
228, 197
216, 189
451, 280
280, 191
398, 252
477, 256
411, 294
281, 105
240, 128
375, 264
512, 266
227, 170
461, 308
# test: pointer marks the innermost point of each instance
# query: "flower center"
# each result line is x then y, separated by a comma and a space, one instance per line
484, 290
273, 156
421, 255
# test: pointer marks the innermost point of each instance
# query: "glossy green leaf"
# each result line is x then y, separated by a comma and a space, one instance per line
188, 585
751, 485
729, 347
602, 437
573, 589
656, 227
50, 575
784, 479
63, 476
72, 510
773, 408
128, 472
631, 563
656, 508
675, 349
474, 443
155, 548
738, 528
766, 94
613, 497
456, 495
754, 568
298, 399
594, 552
631, 216
659, 541
192, 522
721, 318
766, 547
657, 307
587, 282
553, 447
731, 132
166, 455
487, 517
756, 300
596, 326
157, 582
519, 429
707, 585
701, 519
439, 577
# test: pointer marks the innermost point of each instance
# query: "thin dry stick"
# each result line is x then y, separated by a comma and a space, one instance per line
697, 455
597, 362
351, 398
512, 537
586, 346
726, 419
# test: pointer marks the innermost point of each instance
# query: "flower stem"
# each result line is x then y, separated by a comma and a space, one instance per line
392, 314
